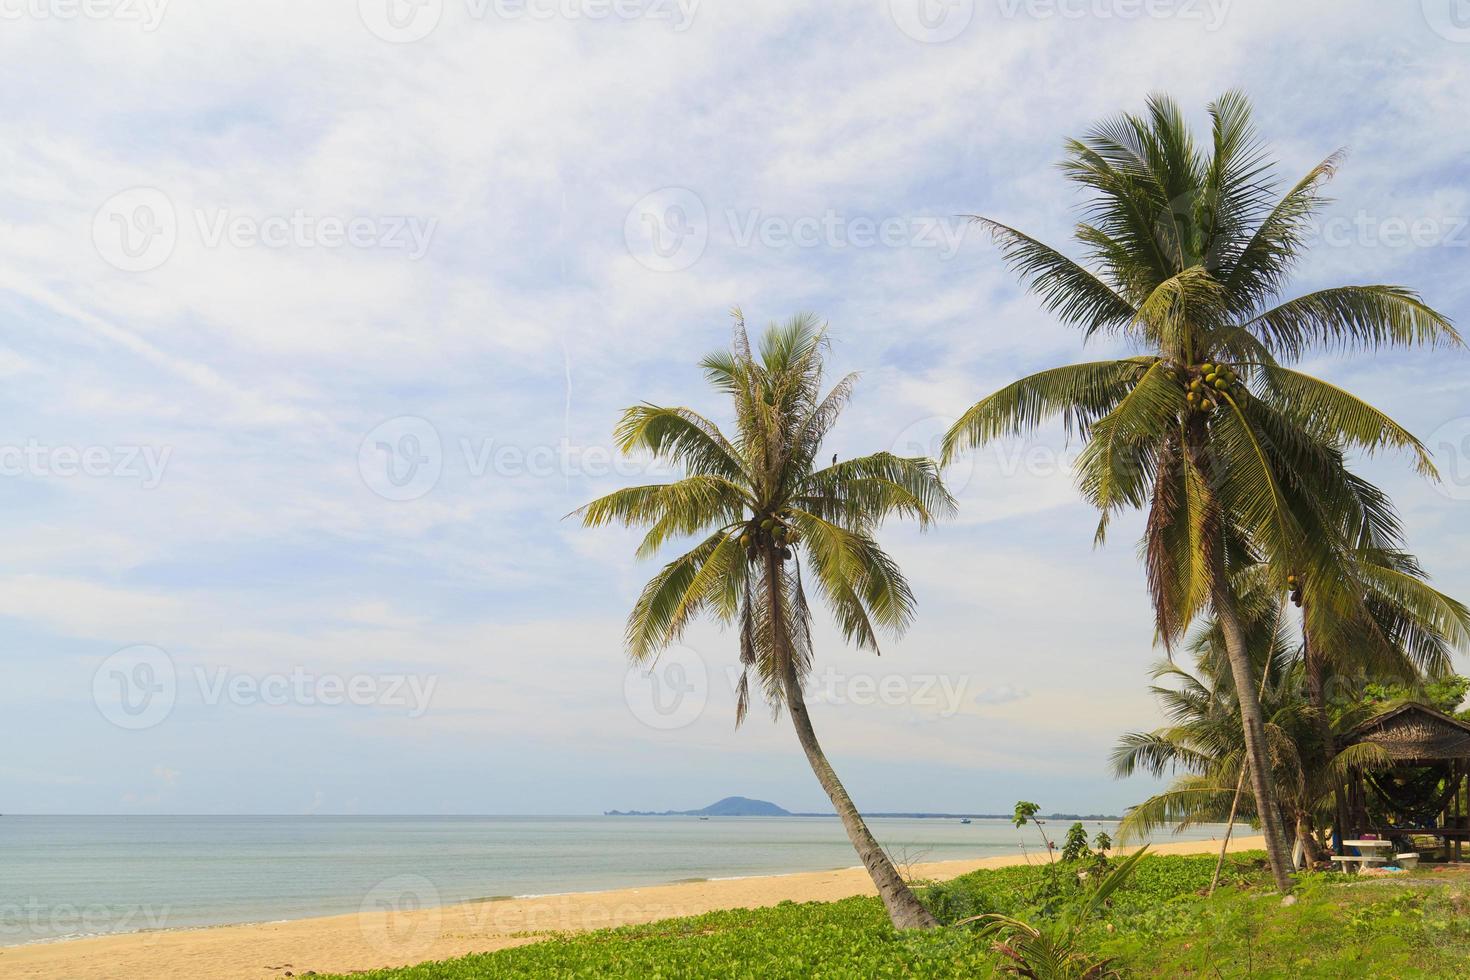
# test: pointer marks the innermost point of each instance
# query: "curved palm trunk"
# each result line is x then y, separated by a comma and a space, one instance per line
904, 908
1256, 753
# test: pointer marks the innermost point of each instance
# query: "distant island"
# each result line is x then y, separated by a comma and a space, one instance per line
730, 806
742, 806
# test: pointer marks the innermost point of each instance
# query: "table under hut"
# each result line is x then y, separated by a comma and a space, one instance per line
1423, 794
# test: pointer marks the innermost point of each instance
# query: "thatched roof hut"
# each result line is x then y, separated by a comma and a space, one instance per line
1415, 733
1425, 791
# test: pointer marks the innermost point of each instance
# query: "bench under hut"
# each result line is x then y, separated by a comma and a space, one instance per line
1424, 792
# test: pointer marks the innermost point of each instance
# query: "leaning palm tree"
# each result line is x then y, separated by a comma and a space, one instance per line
1237, 457
772, 521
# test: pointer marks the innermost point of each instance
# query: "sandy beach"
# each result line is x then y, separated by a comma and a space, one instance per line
385, 934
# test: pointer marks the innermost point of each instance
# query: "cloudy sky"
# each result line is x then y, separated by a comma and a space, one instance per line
317, 317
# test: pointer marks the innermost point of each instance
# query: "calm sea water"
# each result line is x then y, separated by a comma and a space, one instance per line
71, 876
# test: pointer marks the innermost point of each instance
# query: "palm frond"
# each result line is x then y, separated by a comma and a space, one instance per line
1352, 317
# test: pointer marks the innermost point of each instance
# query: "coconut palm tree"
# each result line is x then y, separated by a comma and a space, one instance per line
1405, 630
772, 520
1237, 457
1203, 744
1406, 638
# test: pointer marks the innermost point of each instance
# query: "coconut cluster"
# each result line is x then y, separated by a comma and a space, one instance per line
1207, 384
1294, 583
774, 531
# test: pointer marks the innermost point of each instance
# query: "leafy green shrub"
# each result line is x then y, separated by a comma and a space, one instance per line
1075, 847
1158, 924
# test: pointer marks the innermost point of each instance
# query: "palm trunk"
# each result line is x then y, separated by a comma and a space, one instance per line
904, 909
1258, 758
1317, 696
1311, 853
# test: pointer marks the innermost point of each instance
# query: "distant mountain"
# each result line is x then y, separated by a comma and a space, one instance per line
730, 806
740, 806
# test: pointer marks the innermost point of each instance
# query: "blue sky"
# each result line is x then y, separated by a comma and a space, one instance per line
315, 328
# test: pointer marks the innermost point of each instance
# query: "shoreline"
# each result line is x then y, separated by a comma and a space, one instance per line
384, 935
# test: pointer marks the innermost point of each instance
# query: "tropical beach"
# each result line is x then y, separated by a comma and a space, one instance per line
377, 938
733, 488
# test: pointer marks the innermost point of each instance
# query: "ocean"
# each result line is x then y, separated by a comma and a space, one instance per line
63, 877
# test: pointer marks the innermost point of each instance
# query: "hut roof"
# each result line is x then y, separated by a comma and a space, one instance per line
1415, 731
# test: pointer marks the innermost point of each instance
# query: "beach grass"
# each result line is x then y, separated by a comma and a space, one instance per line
1159, 925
